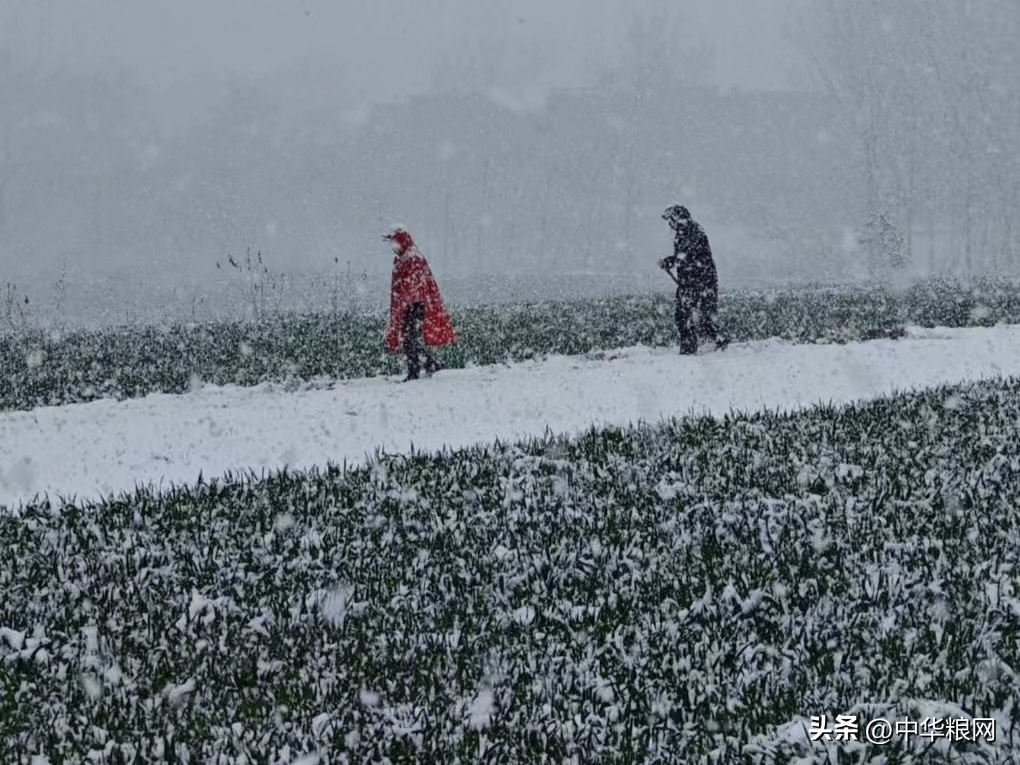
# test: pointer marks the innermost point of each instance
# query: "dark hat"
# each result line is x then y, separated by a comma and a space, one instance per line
676, 213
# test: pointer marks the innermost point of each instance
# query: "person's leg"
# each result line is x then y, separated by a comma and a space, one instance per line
431, 365
685, 323
412, 340
706, 320
706, 308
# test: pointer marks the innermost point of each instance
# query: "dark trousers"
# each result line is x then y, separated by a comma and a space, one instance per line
695, 318
414, 342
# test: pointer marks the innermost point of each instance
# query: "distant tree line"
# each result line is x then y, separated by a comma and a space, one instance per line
909, 139
933, 89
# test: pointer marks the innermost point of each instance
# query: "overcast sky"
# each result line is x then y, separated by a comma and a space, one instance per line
372, 49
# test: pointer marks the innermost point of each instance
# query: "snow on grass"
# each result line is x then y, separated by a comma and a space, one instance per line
311, 350
540, 602
107, 446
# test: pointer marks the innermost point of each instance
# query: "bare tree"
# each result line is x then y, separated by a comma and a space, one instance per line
918, 80
657, 57
657, 51
489, 64
8, 104
857, 53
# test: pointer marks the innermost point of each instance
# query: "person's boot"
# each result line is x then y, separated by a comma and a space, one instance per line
688, 343
413, 367
431, 365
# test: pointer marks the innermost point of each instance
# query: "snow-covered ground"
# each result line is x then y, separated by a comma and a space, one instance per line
107, 446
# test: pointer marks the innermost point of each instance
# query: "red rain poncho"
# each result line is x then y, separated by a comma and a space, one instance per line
413, 282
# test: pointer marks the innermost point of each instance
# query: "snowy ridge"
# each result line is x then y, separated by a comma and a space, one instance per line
105, 447
693, 592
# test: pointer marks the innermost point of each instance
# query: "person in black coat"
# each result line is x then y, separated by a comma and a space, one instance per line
697, 292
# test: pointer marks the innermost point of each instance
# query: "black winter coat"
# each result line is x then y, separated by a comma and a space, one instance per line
692, 258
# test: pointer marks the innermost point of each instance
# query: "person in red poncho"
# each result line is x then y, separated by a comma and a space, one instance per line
417, 312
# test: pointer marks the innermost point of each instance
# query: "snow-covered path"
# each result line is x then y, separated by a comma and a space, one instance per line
108, 446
